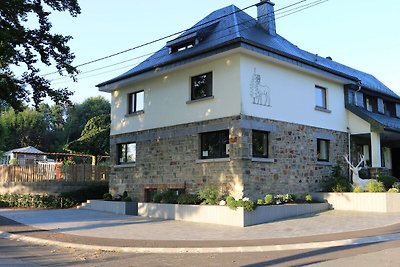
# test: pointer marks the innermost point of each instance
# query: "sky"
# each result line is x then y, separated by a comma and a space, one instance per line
363, 34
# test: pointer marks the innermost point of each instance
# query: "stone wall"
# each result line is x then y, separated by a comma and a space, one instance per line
169, 158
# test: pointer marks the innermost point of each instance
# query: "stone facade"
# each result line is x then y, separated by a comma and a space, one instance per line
169, 158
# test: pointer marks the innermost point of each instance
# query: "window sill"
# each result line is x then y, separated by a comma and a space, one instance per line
322, 109
267, 160
213, 160
324, 163
127, 165
134, 113
200, 99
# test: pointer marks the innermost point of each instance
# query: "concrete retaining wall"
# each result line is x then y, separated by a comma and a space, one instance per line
226, 216
371, 202
117, 207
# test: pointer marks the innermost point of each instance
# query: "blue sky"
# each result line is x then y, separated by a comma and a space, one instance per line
362, 34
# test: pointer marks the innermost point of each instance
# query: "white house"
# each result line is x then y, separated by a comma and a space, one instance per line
230, 102
24, 155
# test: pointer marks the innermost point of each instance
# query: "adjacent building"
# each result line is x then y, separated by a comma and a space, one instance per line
230, 102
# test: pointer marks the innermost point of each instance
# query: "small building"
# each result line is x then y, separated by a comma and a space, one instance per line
24, 155
233, 103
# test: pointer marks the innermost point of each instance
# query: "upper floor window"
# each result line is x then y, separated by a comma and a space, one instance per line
320, 97
136, 102
369, 105
214, 144
260, 144
201, 86
323, 150
126, 153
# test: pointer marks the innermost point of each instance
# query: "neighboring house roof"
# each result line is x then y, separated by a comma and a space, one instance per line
28, 149
230, 27
375, 119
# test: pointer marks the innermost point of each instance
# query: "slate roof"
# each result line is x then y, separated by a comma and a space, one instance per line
376, 119
230, 25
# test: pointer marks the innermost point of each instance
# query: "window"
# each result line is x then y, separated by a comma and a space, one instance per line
320, 97
369, 104
127, 153
260, 144
136, 102
322, 150
215, 145
201, 86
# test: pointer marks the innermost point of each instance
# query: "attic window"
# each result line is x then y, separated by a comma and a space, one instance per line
191, 38
183, 46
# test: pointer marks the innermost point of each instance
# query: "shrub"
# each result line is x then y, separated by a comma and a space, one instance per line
168, 196
247, 204
308, 198
127, 199
269, 199
260, 202
388, 181
188, 199
337, 181
396, 185
374, 186
210, 195
107, 196
393, 190
358, 189
124, 194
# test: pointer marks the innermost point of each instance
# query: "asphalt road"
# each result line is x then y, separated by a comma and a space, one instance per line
16, 253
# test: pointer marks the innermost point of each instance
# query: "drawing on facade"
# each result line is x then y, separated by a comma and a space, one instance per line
260, 94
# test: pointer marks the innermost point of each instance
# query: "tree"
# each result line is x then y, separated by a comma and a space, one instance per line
20, 129
23, 47
95, 137
79, 114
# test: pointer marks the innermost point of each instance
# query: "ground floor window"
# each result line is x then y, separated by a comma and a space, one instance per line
322, 150
214, 144
126, 153
260, 144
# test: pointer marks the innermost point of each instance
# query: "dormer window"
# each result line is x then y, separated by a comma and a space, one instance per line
190, 39
369, 105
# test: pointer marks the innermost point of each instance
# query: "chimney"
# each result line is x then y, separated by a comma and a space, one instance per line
266, 16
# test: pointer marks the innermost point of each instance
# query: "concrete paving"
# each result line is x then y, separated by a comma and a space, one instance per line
98, 230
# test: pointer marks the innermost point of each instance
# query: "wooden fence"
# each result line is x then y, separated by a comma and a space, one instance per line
53, 171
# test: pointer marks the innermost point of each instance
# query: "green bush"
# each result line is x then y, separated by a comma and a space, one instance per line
188, 199
308, 198
374, 186
167, 196
210, 195
260, 202
247, 204
393, 190
269, 199
396, 185
107, 196
337, 181
388, 181
358, 189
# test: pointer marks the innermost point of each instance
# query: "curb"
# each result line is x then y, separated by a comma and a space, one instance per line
244, 249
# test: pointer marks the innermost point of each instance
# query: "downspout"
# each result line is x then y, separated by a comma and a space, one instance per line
349, 144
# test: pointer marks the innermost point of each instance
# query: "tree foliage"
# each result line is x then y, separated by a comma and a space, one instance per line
23, 47
82, 128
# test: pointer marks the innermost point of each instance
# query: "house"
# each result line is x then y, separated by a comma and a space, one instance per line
231, 102
24, 155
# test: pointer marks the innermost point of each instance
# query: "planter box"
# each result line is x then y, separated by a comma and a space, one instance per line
117, 207
226, 216
373, 202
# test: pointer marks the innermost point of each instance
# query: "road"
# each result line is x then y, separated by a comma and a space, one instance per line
16, 253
